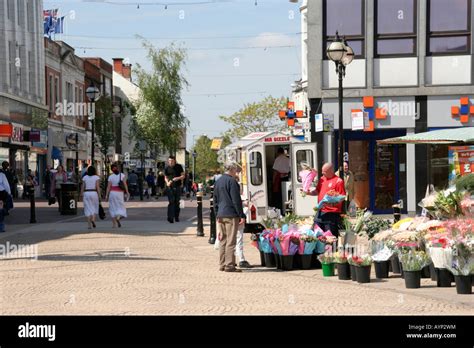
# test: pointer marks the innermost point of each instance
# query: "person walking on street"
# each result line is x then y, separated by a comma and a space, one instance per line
174, 176
5, 191
133, 183
116, 190
90, 192
230, 214
9, 175
329, 216
161, 183
60, 177
150, 179
47, 179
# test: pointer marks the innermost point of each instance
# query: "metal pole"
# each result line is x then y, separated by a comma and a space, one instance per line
341, 120
212, 218
31, 190
140, 182
200, 226
77, 162
93, 141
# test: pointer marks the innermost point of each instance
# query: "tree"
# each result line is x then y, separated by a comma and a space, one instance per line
206, 160
159, 119
256, 117
104, 123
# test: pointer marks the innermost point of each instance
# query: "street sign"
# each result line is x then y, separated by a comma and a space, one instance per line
328, 122
216, 143
318, 118
357, 120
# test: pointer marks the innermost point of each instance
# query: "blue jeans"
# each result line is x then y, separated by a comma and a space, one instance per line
174, 195
328, 221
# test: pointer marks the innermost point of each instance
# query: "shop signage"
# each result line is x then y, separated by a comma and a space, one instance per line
276, 139
35, 135
17, 134
461, 161
71, 140
328, 122
464, 112
318, 119
357, 120
216, 144
6, 130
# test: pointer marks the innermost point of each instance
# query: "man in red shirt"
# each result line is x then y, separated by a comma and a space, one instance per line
329, 216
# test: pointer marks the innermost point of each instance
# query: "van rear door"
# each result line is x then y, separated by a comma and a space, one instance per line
256, 181
304, 152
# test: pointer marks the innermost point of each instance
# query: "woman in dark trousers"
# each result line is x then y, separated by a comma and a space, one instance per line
60, 177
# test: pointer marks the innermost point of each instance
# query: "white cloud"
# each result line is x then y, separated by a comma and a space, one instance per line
269, 39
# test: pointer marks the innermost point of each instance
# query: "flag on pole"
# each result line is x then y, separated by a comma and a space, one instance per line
59, 25
49, 19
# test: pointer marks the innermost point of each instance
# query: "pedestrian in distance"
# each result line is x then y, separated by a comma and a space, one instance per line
230, 214
174, 176
117, 189
60, 177
5, 191
2, 216
133, 183
90, 193
150, 179
47, 179
161, 183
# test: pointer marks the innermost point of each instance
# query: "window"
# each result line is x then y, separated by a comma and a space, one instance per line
31, 73
69, 94
11, 9
30, 17
304, 156
56, 90
395, 27
347, 18
256, 173
11, 63
51, 93
449, 27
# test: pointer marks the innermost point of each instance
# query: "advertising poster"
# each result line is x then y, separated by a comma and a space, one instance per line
461, 161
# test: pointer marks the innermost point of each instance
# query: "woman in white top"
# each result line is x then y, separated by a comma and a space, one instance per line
91, 193
115, 196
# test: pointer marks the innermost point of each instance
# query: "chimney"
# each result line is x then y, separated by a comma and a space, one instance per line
118, 65
127, 71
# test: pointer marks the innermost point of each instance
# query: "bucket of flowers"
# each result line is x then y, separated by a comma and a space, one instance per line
343, 267
413, 262
363, 265
327, 262
381, 255
308, 241
352, 267
289, 244
265, 245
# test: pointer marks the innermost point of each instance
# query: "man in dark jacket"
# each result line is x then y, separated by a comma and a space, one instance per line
230, 214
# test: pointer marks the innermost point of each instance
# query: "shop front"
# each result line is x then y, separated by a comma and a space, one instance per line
379, 170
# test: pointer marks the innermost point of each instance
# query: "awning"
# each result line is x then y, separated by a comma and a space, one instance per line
56, 153
464, 135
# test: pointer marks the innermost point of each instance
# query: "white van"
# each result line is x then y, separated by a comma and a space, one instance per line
256, 153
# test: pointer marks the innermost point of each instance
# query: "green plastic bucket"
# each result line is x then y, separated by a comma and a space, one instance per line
328, 269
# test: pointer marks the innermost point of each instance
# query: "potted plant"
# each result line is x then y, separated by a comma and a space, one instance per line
327, 262
363, 266
381, 260
352, 267
413, 262
462, 266
343, 267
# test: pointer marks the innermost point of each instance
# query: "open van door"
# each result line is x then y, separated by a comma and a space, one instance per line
304, 152
256, 181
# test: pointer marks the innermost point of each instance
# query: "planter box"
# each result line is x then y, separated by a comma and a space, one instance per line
412, 279
381, 269
363, 274
395, 264
463, 284
306, 261
269, 260
353, 273
343, 271
445, 278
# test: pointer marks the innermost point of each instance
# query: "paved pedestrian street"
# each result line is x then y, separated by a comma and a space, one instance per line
152, 267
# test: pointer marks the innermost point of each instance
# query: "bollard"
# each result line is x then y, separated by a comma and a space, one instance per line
200, 227
396, 212
212, 218
31, 193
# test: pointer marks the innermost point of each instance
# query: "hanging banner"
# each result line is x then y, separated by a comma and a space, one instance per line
318, 120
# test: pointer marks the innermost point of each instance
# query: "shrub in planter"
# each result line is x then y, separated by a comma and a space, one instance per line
463, 284
412, 263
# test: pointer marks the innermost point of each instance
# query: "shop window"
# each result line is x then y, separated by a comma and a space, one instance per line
305, 156
256, 172
347, 18
395, 31
449, 27
439, 166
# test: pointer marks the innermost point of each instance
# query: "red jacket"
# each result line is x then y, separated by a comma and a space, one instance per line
325, 185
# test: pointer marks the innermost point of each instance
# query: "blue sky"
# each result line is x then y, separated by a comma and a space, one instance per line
224, 69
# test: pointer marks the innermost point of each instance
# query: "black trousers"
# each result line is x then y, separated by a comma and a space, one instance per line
174, 195
329, 221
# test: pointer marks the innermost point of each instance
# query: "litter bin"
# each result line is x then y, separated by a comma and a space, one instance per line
68, 199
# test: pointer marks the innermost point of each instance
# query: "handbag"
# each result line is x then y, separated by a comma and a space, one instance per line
121, 183
101, 212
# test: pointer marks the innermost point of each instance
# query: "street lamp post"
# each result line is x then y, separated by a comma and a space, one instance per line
93, 94
342, 55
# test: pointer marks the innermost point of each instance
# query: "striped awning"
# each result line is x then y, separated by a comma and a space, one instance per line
464, 135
